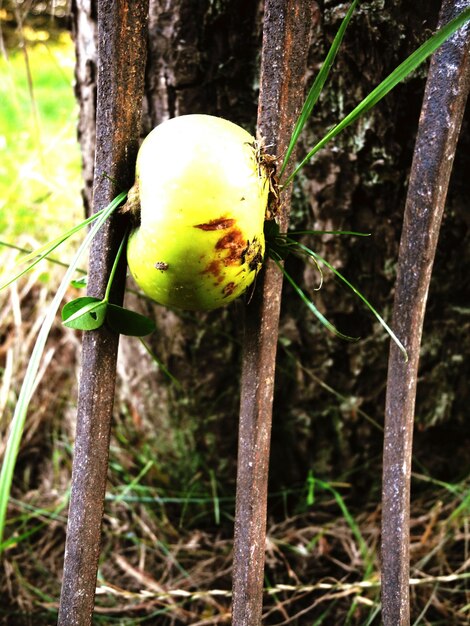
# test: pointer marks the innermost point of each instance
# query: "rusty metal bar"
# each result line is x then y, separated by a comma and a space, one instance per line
121, 65
286, 32
439, 126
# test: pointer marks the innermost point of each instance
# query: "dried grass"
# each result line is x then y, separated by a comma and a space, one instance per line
168, 562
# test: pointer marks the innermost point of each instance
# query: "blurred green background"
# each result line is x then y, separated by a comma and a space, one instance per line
39, 154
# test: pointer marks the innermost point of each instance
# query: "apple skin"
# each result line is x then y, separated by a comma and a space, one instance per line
202, 194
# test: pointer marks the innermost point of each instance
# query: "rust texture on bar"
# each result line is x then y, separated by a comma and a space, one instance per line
286, 31
439, 126
122, 54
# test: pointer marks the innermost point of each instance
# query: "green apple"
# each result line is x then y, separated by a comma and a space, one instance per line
201, 193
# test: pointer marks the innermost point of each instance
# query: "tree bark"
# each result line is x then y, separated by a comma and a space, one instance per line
85, 33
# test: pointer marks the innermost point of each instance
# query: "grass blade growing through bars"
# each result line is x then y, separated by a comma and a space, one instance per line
41, 253
27, 251
320, 259
19, 416
363, 548
316, 88
399, 74
160, 364
310, 304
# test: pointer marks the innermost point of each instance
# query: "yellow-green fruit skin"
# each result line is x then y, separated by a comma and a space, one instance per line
203, 197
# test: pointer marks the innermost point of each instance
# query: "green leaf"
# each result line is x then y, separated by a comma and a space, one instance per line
316, 88
399, 74
73, 306
79, 283
84, 313
127, 322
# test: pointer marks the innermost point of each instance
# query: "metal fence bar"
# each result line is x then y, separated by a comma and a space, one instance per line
441, 115
122, 53
286, 29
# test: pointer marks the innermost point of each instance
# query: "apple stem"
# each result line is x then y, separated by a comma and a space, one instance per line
132, 204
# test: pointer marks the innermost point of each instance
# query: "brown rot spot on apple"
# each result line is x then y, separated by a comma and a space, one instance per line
234, 244
220, 223
252, 255
256, 261
245, 251
214, 269
228, 289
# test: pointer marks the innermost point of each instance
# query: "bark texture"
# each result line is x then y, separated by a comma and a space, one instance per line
85, 32
204, 57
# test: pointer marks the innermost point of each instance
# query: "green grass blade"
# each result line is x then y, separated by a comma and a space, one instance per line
373, 614
62, 237
309, 304
316, 88
310, 489
113, 271
41, 253
215, 497
399, 74
160, 364
135, 482
13, 246
19, 416
366, 555
463, 506
320, 259
34, 512
321, 620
